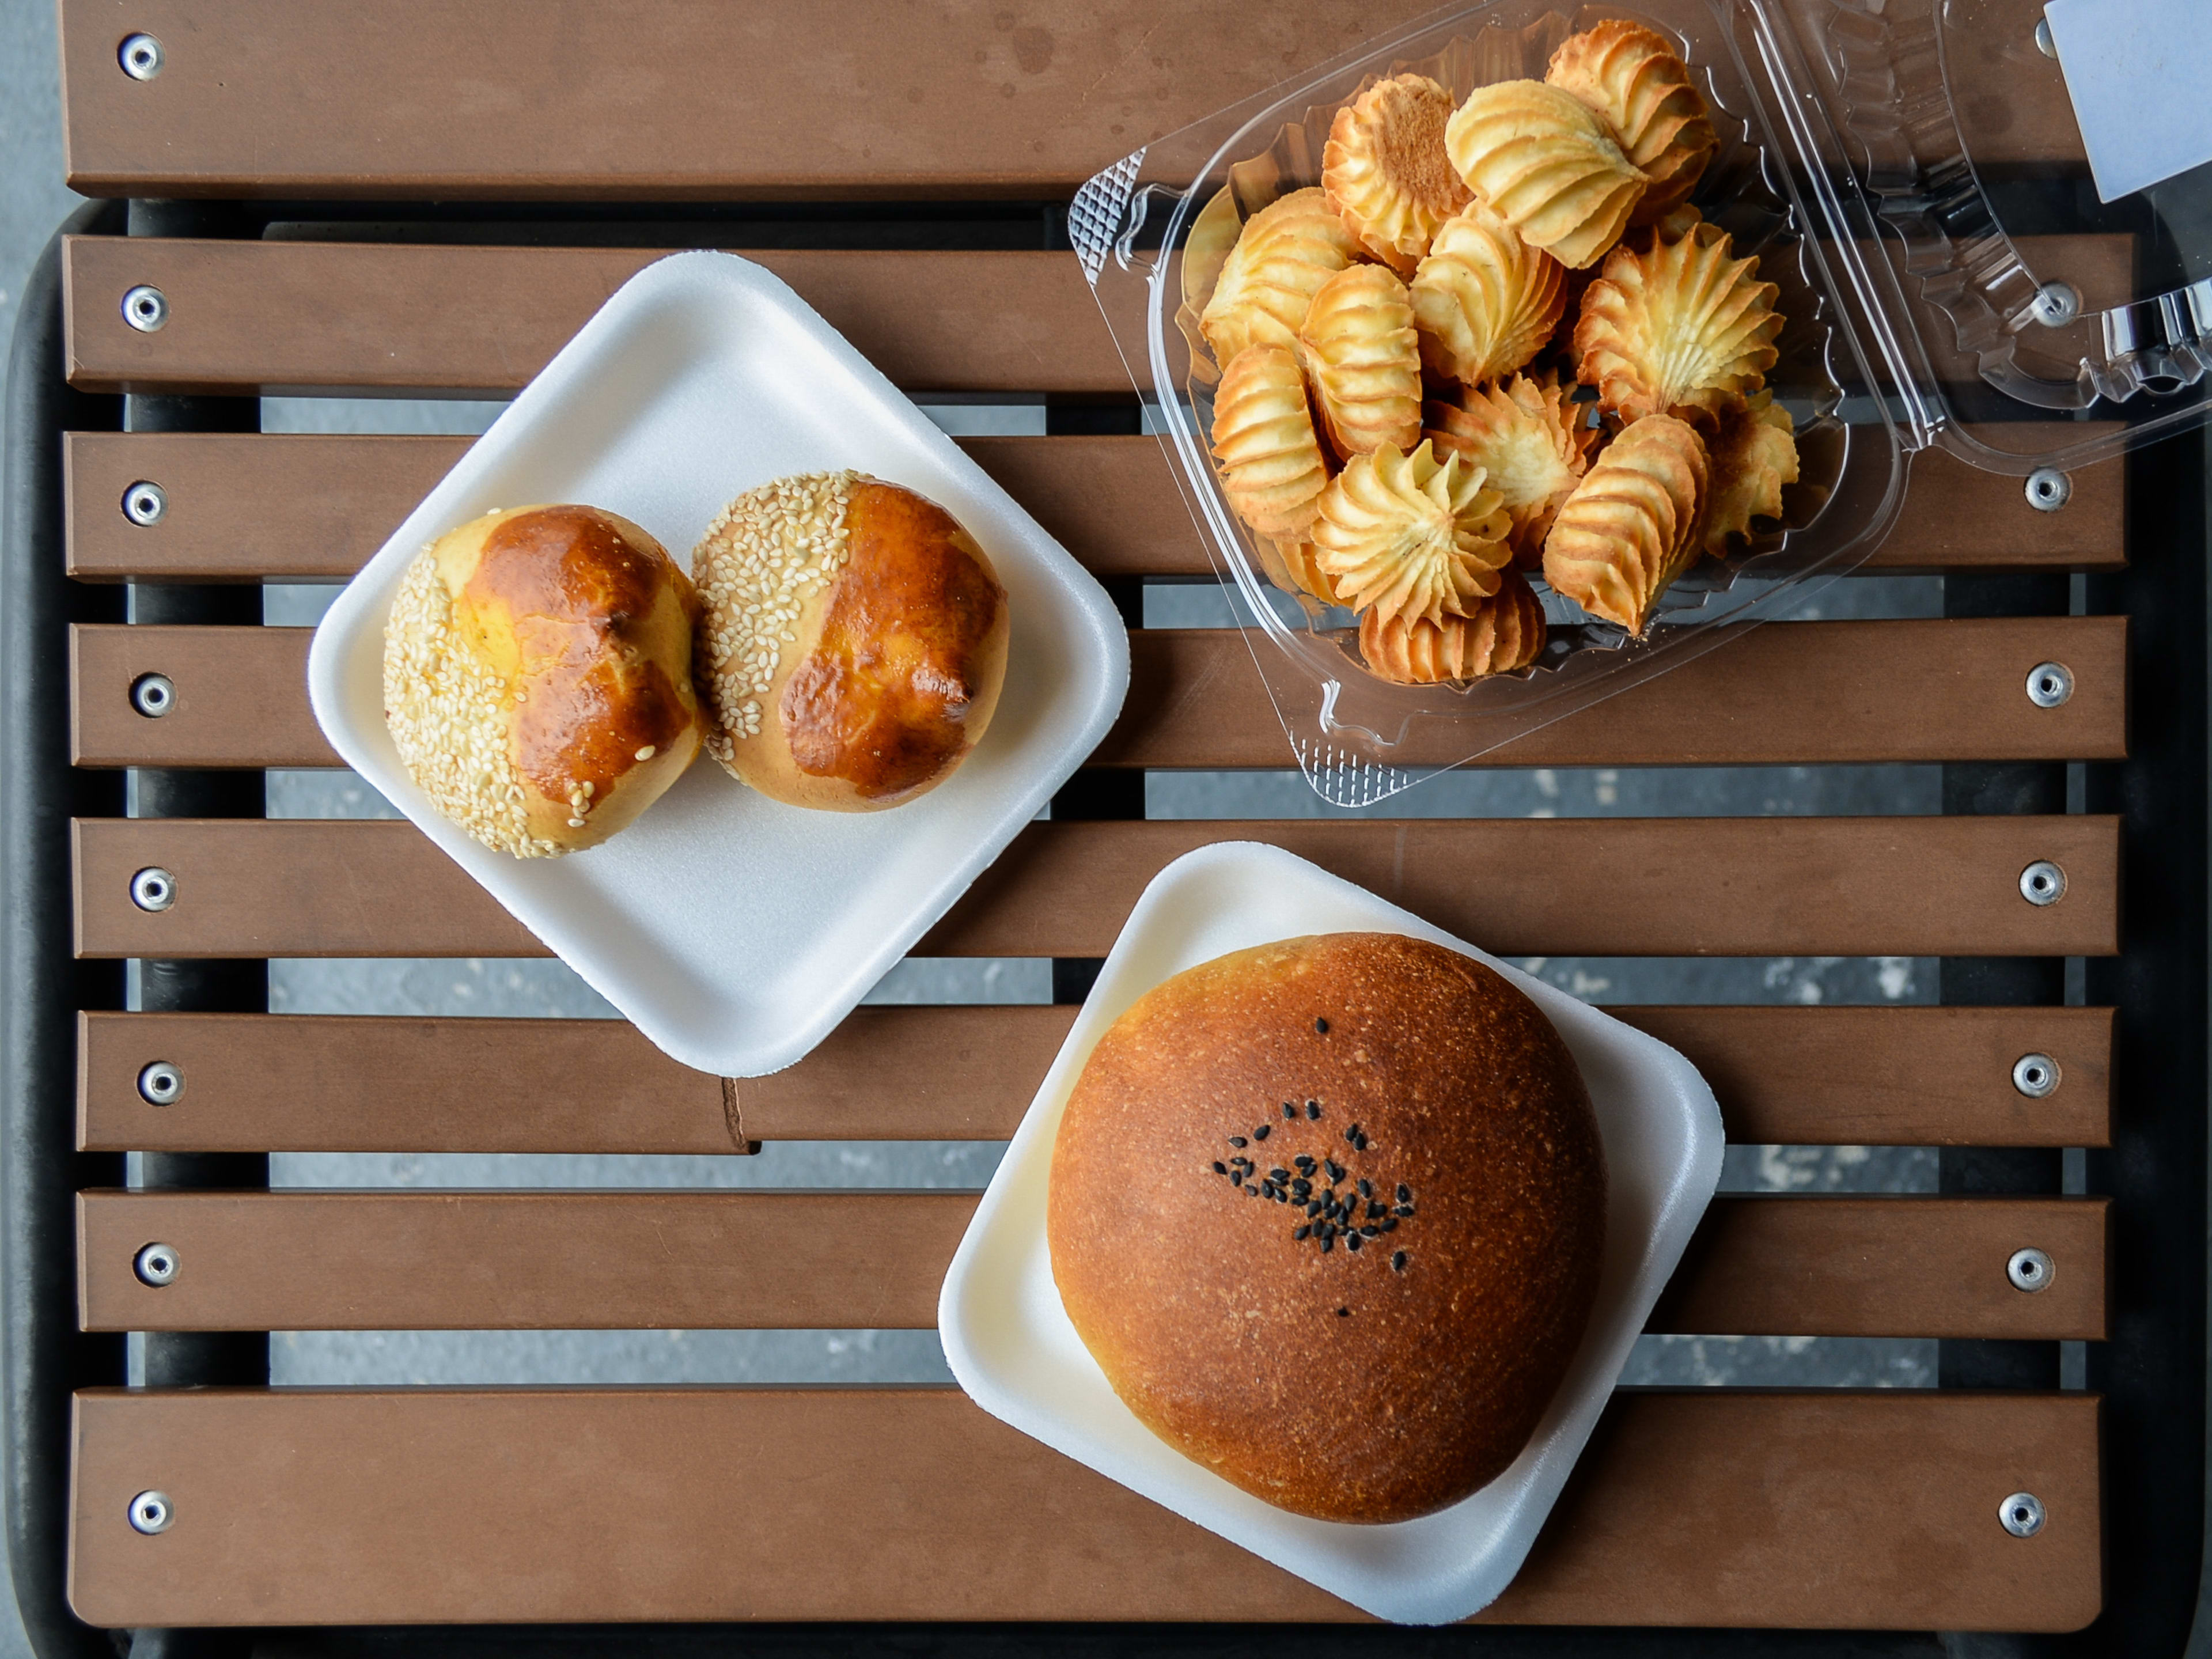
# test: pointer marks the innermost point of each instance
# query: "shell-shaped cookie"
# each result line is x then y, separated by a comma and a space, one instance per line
1412, 536
1532, 444
1484, 301
1506, 632
1362, 362
1263, 435
1285, 250
1385, 171
1549, 165
1633, 524
1631, 76
1684, 327
1753, 455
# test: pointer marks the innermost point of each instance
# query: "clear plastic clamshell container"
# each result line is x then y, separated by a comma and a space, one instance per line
1912, 177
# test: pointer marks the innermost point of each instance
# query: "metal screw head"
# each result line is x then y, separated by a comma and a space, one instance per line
2043, 42
2048, 489
155, 1265
2042, 883
2029, 1269
145, 309
2050, 684
153, 888
2021, 1515
141, 57
161, 1083
2035, 1075
144, 502
152, 695
2057, 304
151, 1512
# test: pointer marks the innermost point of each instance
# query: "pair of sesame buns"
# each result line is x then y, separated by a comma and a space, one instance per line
1384, 418
549, 671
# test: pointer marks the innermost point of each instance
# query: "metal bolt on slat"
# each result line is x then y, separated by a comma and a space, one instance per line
155, 1265
2043, 42
152, 695
2049, 684
2021, 1515
153, 888
2035, 1075
2048, 489
151, 1512
141, 57
2042, 883
161, 1083
2029, 1269
144, 502
145, 309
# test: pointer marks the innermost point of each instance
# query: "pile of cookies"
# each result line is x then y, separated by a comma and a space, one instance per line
1393, 413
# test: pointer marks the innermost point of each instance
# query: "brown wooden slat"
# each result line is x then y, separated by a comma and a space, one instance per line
285, 316
666, 100
772, 1260
279, 316
1867, 886
1800, 693
314, 507
339, 1082
1701, 1508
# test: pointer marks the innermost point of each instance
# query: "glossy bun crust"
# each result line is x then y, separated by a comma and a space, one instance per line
538, 676
853, 643
1372, 1383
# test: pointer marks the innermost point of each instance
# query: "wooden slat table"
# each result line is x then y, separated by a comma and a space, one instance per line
1861, 1510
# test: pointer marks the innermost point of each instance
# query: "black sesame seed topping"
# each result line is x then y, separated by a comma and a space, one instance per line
1314, 1208
1305, 1163
1351, 1131
1322, 1026
1279, 1175
1403, 1209
1352, 1241
1404, 1193
1367, 1189
1238, 1140
1398, 1263
1259, 1132
1336, 1170
1219, 1168
1367, 1232
1313, 1109
1390, 1225
1251, 1192
1376, 1209
1307, 1231
1344, 1313
1359, 1142
1328, 1242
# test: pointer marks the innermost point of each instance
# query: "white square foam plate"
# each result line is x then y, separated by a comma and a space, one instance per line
1012, 1345
733, 930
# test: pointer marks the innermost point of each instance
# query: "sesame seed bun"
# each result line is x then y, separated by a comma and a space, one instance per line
538, 676
1329, 1215
852, 641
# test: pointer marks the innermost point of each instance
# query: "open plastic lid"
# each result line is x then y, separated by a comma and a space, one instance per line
2033, 323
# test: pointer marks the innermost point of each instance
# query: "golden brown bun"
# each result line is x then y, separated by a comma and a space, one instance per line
538, 676
1370, 1384
874, 660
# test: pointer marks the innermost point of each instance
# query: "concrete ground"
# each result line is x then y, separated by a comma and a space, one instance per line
31, 200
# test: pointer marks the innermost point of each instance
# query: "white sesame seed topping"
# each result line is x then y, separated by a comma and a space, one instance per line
445, 710
644, 754
764, 555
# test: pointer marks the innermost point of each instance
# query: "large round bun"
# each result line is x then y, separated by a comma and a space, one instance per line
538, 676
1329, 1215
853, 642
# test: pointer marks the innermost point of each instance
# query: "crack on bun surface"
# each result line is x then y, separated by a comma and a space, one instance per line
1329, 1215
